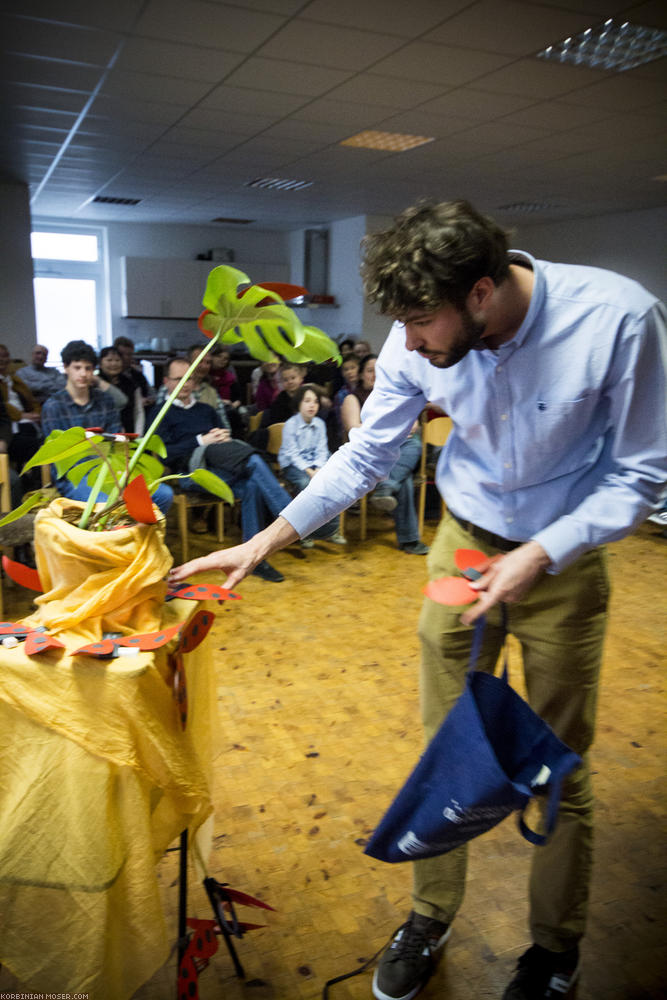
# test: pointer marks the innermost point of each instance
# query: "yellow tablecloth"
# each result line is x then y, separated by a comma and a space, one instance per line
97, 778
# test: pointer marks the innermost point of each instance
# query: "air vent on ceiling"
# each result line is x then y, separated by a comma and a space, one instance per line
233, 222
528, 207
278, 184
615, 47
104, 199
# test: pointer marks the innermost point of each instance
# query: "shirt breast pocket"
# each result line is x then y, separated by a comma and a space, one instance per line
564, 433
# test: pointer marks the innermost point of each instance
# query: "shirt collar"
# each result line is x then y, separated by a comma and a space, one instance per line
536, 298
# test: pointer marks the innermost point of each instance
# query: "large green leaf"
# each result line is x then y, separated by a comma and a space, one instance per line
222, 284
33, 500
212, 484
62, 444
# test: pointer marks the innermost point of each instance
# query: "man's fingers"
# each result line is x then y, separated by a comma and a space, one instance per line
478, 609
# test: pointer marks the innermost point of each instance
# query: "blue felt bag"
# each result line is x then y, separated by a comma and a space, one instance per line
491, 755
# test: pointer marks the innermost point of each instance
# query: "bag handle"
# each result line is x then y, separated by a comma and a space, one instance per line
478, 637
558, 774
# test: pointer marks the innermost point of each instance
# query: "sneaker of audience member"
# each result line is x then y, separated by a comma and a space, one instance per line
307, 543
658, 517
267, 572
409, 961
383, 501
336, 539
415, 548
544, 975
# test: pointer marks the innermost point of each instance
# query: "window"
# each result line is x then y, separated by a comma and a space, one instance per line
70, 286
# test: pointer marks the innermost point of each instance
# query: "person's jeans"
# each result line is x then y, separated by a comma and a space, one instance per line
400, 485
257, 488
300, 479
560, 624
162, 497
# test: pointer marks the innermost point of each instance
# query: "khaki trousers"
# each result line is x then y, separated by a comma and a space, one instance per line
560, 625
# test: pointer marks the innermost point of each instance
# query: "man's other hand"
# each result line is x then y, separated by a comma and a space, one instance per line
508, 579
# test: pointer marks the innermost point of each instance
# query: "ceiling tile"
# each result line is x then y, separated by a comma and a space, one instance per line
199, 23
322, 132
171, 90
221, 120
136, 109
308, 42
509, 27
36, 38
543, 80
392, 16
50, 73
440, 64
354, 116
418, 122
286, 77
619, 93
369, 88
113, 15
557, 115
244, 100
191, 62
479, 105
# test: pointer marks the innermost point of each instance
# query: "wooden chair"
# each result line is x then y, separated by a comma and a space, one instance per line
254, 421
185, 501
363, 519
434, 432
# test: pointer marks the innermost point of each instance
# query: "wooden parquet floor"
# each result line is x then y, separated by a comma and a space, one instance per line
317, 689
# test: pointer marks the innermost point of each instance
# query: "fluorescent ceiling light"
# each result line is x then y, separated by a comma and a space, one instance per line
610, 46
395, 142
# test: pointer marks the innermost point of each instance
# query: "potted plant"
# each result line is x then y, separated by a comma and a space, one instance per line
103, 562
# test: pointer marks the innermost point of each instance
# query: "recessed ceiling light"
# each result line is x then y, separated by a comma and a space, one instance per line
278, 184
660, 177
610, 46
395, 142
233, 222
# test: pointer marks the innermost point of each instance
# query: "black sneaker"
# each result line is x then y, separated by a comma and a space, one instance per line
544, 975
267, 572
410, 960
416, 548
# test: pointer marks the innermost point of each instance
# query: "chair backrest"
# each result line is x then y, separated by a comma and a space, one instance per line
254, 420
433, 432
5, 494
275, 438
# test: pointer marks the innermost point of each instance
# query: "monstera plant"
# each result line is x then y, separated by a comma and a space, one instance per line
126, 469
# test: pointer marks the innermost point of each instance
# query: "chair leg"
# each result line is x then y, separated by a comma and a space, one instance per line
421, 506
341, 523
220, 521
182, 515
363, 511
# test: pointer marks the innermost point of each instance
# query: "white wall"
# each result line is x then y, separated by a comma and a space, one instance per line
17, 304
632, 243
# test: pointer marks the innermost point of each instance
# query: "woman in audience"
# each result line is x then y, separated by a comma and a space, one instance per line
126, 396
396, 495
304, 450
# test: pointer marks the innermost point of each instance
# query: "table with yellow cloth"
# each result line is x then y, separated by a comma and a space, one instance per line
97, 778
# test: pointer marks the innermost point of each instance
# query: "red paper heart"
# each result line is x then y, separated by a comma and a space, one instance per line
138, 501
451, 590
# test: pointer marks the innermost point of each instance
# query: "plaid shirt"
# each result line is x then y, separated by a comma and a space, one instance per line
60, 412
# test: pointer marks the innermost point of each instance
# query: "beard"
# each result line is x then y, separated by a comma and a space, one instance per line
468, 338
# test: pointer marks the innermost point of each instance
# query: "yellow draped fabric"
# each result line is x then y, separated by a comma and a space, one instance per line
97, 778
98, 581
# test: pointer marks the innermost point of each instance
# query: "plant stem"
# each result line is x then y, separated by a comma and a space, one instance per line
94, 493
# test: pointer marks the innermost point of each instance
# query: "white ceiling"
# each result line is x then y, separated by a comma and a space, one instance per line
181, 103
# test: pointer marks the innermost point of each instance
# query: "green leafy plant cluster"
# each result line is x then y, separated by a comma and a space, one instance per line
235, 311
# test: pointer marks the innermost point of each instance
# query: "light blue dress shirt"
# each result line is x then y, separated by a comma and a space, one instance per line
559, 436
304, 444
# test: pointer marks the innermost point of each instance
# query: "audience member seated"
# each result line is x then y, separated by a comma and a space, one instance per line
41, 381
350, 374
282, 407
304, 450
125, 394
194, 439
15, 486
222, 376
125, 348
267, 386
82, 404
396, 494
24, 413
362, 349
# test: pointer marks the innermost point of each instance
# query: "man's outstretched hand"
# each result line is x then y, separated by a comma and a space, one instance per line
240, 560
507, 579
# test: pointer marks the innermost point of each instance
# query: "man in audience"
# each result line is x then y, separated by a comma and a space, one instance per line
41, 381
23, 410
81, 404
554, 378
194, 439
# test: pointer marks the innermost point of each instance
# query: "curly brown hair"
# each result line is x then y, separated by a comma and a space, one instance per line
432, 255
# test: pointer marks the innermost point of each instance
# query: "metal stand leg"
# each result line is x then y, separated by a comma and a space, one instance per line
210, 885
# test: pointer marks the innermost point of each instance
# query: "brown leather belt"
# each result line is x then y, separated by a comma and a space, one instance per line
482, 535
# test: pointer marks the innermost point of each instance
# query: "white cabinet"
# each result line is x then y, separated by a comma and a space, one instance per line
169, 288
166, 288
